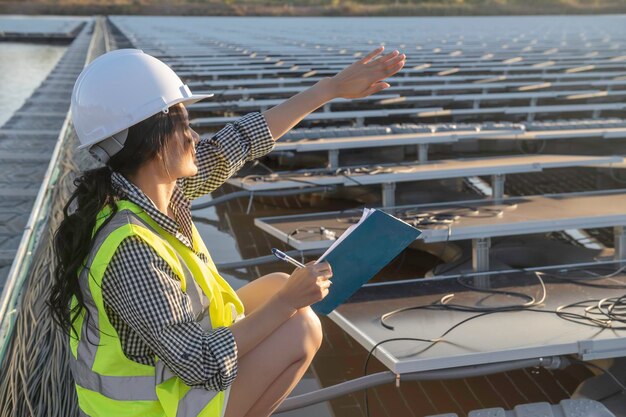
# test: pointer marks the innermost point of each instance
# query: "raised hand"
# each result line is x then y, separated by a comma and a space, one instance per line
364, 77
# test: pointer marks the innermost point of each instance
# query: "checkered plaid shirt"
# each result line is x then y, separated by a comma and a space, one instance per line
142, 295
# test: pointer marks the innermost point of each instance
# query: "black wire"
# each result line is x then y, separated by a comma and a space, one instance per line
446, 218
599, 313
369, 355
347, 176
443, 302
277, 177
530, 298
485, 312
313, 230
584, 281
345, 172
432, 342
262, 165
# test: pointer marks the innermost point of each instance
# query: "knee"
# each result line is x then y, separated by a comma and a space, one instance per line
312, 330
276, 279
315, 325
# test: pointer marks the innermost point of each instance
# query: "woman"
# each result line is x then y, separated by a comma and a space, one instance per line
154, 330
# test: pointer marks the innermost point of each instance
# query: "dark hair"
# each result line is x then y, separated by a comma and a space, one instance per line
73, 239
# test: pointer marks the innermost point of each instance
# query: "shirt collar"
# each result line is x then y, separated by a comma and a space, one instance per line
180, 205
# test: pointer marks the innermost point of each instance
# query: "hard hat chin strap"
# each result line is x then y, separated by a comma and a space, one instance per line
105, 149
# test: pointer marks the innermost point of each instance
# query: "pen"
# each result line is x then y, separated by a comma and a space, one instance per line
284, 257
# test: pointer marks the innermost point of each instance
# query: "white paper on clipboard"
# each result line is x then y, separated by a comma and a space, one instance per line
366, 214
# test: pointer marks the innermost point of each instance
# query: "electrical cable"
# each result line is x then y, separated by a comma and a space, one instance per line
447, 217
585, 281
346, 172
275, 177
602, 313
522, 146
444, 217
614, 176
444, 301
414, 218
314, 188
324, 233
266, 193
530, 299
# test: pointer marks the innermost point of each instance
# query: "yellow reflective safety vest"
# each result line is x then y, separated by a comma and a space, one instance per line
107, 382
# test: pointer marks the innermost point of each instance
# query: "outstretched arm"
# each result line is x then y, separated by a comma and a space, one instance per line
222, 155
361, 79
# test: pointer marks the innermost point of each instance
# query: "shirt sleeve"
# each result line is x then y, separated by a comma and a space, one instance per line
223, 154
143, 290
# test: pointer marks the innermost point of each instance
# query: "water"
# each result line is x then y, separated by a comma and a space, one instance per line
22, 68
221, 245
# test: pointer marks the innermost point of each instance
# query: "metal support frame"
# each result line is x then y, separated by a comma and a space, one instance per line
328, 393
619, 245
422, 151
389, 194
333, 158
480, 260
497, 186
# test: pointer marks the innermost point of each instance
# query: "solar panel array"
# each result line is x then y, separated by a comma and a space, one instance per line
480, 79
483, 67
29, 137
46, 27
510, 96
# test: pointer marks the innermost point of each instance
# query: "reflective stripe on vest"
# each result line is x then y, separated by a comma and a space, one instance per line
140, 388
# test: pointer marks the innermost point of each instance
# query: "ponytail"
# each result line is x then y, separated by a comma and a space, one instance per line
72, 241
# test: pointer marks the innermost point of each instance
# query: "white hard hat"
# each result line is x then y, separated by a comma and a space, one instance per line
118, 90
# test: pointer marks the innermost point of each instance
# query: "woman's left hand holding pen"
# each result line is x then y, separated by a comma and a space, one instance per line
305, 286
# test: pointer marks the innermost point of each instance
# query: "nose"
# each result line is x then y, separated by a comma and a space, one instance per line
195, 136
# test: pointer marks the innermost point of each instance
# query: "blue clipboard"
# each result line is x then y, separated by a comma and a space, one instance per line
361, 255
